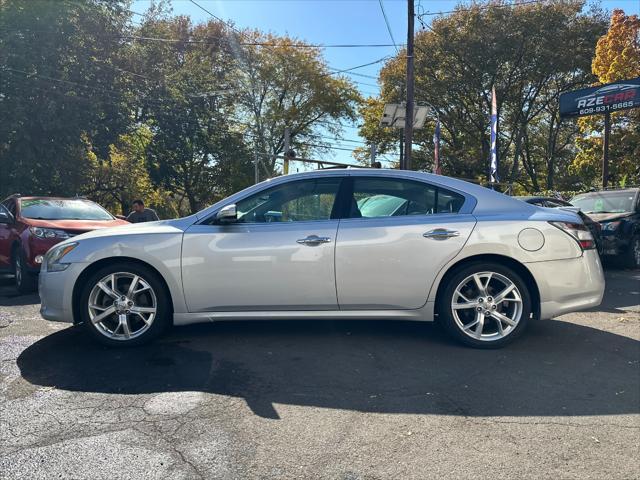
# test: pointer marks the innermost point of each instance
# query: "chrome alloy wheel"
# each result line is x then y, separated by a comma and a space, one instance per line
122, 306
636, 251
486, 306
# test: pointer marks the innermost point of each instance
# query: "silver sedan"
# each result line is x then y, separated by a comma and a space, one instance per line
349, 244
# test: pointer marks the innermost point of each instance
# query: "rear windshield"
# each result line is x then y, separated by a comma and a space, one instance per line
604, 202
76, 209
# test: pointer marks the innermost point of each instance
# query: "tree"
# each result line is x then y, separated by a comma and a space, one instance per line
58, 86
187, 102
462, 55
617, 57
286, 85
116, 181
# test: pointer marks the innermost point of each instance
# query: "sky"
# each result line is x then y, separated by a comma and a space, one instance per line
334, 22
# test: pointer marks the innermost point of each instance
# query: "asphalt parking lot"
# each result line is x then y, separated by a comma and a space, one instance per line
343, 400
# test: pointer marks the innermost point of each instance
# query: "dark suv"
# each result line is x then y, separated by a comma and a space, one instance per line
618, 212
29, 226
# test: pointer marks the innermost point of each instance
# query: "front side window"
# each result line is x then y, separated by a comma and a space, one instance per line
390, 197
298, 201
61, 209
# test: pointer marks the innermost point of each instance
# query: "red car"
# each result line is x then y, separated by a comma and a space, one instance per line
29, 226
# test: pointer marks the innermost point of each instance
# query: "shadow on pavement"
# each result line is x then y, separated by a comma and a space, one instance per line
556, 369
622, 292
9, 296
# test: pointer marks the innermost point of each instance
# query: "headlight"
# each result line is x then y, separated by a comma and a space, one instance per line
611, 226
48, 232
52, 260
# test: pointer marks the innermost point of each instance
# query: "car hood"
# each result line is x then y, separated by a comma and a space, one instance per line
76, 225
608, 217
147, 228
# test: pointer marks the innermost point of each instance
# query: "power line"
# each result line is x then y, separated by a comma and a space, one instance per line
386, 21
217, 18
346, 70
259, 44
482, 7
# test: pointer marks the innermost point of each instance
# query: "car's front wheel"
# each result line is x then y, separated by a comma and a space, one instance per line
125, 305
484, 305
26, 281
633, 254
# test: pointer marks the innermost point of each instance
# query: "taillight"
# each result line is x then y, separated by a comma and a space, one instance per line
579, 232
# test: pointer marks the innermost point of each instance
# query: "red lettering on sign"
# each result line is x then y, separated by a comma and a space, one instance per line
618, 97
630, 94
608, 99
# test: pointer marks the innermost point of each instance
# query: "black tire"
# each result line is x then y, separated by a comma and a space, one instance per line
632, 257
163, 316
445, 312
26, 281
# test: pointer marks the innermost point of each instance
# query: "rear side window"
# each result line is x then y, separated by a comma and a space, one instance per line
390, 197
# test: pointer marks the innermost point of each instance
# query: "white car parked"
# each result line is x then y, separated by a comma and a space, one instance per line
351, 244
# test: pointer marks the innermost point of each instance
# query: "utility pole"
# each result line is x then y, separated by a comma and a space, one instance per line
287, 147
408, 119
256, 174
373, 155
605, 150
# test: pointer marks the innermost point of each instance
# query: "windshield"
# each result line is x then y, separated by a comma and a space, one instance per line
76, 209
604, 202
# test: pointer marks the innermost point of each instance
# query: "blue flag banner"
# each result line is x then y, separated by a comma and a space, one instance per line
494, 136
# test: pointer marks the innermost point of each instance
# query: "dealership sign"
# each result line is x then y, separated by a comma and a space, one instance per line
602, 99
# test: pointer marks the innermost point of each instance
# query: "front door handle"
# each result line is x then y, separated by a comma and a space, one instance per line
441, 234
312, 240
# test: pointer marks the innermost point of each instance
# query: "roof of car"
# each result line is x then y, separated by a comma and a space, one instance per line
41, 197
613, 190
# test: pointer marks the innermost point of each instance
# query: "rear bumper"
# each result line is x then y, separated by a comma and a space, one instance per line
569, 285
56, 293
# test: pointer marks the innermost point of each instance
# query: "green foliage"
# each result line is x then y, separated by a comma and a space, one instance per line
530, 53
58, 84
286, 86
88, 104
617, 58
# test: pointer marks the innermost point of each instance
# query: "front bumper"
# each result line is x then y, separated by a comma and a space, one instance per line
615, 245
569, 285
56, 293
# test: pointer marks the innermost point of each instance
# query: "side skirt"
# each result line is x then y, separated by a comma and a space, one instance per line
424, 314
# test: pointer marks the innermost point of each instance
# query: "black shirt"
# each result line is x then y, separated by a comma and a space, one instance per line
147, 215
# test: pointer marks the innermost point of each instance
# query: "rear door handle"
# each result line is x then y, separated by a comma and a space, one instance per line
313, 240
441, 234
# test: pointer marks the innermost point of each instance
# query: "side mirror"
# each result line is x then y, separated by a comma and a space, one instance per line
121, 217
6, 218
227, 214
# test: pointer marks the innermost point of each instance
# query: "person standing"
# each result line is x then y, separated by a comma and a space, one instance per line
141, 214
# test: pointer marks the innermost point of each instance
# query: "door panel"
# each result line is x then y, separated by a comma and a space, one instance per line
278, 254
259, 267
387, 263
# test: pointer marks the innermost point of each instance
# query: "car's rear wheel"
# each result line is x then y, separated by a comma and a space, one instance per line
485, 305
26, 281
125, 305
